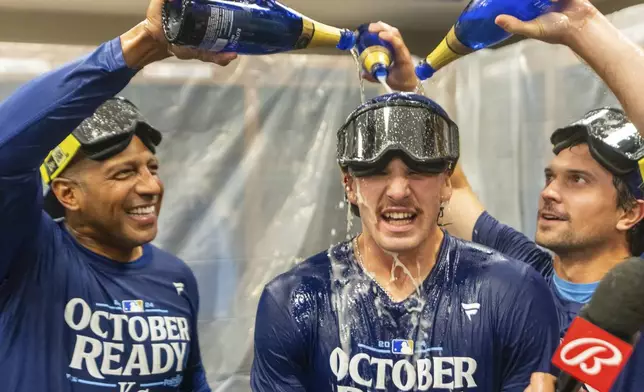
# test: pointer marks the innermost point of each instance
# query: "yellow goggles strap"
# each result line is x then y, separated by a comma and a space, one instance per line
59, 158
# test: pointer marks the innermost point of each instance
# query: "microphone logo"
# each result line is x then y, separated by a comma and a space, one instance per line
599, 351
591, 355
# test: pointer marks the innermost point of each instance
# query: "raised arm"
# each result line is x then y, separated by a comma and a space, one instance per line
33, 121
588, 33
40, 114
466, 218
464, 208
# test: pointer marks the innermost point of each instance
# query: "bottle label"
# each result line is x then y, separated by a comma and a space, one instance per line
542, 5
374, 55
219, 32
316, 34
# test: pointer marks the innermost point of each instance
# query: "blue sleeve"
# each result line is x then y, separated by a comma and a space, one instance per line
490, 232
33, 120
529, 330
194, 379
280, 353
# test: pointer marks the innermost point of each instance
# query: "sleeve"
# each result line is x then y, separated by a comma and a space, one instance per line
529, 330
194, 378
490, 232
33, 120
280, 354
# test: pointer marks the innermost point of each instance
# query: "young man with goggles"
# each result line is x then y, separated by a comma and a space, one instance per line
86, 302
402, 306
591, 208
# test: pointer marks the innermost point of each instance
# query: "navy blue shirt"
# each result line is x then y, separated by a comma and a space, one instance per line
490, 232
473, 325
70, 319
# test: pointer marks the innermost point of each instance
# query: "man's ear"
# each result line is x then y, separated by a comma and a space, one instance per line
446, 189
67, 192
631, 217
349, 188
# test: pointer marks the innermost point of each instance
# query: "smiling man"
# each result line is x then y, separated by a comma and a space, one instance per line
103, 180
402, 306
590, 217
87, 304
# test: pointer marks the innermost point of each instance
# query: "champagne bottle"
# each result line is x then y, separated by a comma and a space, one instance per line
475, 29
249, 27
375, 54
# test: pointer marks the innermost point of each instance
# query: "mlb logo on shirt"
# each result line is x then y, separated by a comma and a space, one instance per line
402, 346
133, 306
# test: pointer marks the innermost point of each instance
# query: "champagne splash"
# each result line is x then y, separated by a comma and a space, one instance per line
396, 260
341, 295
383, 81
398, 264
371, 213
349, 220
354, 54
420, 88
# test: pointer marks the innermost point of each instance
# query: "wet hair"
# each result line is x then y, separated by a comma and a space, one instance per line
625, 201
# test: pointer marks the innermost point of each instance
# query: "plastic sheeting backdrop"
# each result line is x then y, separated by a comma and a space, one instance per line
248, 157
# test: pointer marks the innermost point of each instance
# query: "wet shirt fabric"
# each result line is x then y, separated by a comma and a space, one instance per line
490, 232
70, 319
479, 322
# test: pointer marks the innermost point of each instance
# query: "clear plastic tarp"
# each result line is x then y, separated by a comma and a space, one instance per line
248, 157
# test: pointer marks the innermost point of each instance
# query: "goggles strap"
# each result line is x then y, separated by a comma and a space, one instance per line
58, 158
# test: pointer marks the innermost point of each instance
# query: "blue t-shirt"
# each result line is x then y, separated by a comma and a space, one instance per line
472, 326
70, 319
490, 232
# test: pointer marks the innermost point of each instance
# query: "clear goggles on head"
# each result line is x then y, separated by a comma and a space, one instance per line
106, 133
103, 135
613, 141
410, 126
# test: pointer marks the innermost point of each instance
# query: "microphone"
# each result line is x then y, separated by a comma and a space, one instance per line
599, 340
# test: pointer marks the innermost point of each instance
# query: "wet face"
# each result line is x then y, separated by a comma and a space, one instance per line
119, 199
399, 207
578, 205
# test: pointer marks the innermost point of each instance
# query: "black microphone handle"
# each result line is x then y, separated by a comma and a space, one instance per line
567, 383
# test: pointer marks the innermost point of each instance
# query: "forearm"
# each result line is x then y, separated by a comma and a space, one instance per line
617, 60
41, 113
458, 178
140, 48
463, 209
